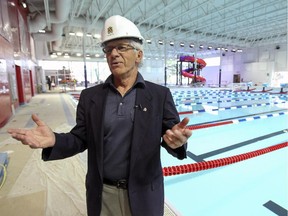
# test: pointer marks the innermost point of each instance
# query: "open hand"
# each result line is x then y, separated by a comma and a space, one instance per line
40, 137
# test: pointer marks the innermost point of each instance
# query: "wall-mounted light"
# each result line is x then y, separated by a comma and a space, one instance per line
160, 42
171, 43
148, 41
191, 45
182, 44
209, 47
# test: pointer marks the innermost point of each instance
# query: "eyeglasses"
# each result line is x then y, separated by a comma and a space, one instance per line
122, 48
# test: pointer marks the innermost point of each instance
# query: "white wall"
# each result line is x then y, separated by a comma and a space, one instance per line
259, 65
211, 74
153, 70
257, 72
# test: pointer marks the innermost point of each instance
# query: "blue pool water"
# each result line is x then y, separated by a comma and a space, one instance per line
257, 186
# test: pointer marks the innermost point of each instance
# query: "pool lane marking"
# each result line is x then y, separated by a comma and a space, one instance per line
259, 117
201, 157
233, 107
246, 106
191, 102
218, 94
275, 208
254, 117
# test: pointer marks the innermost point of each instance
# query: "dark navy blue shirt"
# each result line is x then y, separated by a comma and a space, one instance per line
118, 126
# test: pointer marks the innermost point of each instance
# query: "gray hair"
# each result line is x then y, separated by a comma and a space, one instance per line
138, 46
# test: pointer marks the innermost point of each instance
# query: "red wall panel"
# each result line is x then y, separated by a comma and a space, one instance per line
23, 85
13, 16
6, 59
20, 87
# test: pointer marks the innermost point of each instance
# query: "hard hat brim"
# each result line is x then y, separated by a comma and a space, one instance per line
136, 39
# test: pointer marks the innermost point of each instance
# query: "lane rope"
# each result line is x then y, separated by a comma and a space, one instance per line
205, 165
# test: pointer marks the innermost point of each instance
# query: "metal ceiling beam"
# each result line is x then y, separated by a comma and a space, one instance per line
223, 22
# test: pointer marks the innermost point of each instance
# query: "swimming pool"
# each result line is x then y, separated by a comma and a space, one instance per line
253, 121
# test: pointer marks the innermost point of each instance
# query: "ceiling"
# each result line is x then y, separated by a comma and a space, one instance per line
230, 24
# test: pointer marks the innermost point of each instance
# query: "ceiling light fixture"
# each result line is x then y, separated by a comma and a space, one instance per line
148, 41
53, 55
98, 36
79, 34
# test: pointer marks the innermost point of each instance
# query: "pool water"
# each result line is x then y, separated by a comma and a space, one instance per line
257, 186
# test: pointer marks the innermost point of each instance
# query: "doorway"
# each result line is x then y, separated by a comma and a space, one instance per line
236, 78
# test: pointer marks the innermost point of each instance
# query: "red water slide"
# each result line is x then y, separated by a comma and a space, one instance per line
200, 64
192, 76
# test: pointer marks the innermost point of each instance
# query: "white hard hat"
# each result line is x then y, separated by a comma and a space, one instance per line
120, 27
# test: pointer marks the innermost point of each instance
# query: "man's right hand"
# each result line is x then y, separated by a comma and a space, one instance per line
39, 137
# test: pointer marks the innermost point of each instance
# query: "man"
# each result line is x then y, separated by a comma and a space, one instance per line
122, 123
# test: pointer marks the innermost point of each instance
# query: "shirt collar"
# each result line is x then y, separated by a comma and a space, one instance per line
140, 82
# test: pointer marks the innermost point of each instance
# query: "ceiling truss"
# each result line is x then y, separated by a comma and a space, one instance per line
216, 23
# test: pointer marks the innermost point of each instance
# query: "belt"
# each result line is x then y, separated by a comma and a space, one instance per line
122, 183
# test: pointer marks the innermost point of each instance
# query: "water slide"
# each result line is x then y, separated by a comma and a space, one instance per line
200, 64
198, 78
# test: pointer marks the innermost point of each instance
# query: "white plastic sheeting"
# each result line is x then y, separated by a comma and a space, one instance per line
63, 182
